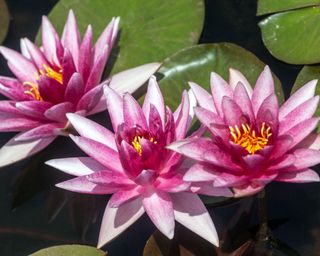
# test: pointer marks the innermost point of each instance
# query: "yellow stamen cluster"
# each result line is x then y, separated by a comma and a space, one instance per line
33, 89
136, 143
248, 138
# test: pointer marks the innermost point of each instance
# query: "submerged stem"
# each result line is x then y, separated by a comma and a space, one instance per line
263, 216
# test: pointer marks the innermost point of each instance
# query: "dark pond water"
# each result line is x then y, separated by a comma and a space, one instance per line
26, 203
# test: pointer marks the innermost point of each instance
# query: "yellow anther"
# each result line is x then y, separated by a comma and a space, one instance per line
48, 72
136, 143
249, 139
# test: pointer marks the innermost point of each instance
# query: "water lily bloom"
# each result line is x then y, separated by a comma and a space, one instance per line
135, 166
61, 76
253, 140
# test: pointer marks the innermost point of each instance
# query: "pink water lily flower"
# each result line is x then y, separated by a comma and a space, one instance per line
136, 167
253, 140
61, 76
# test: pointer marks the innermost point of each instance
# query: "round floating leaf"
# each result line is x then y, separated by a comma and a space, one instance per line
196, 63
67, 250
272, 6
293, 36
307, 74
149, 30
4, 20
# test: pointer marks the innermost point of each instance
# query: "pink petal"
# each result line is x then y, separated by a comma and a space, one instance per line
22, 68
213, 122
254, 162
92, 130
91, 98
312, 141
50, 89
306, 158
14, 93
182, 117
200, 172
33, 108
100, 107
236, 77
100, 152
145, 178
158, 206
190, 212
203, 149
155, 98
107, 37
109, 178
132, 113
219, 89
123, 196
232, 113
268, 112
304, 93
70, 37
307, 175
36, 55
85, 55
299, 114
68, 66
82, 185
12, 83
284, 162
225, 179
23, 49
8, 107
207, 188
97, 70
74, 89
241, 97
130, 159
17, 124
58, 112
204, 99
14, 151
115, 107
302, 130
247, 190
42, 131
77, 166
131, 79
263, 88
172, 183
116, 220
50, 41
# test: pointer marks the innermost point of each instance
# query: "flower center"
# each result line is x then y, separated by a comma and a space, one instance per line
136, 143
33, 89
248, 139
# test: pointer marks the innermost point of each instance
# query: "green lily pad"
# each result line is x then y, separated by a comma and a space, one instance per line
4, 20
307, 74
149, 30
67, 250
272, 6
293, 36
197, 62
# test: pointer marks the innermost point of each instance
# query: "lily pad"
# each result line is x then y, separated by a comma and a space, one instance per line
4, 20
149, 30
197, 62
307, 74
293, 36
272, 6
67, 250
